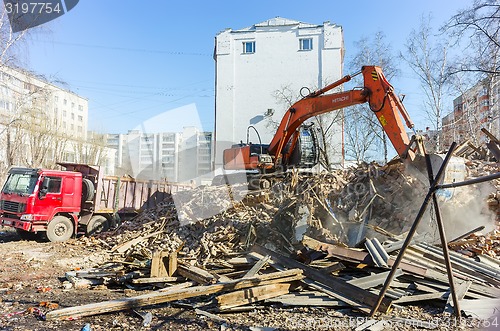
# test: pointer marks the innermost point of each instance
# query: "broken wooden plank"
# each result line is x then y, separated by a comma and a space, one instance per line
122, 248
171, 295
422, 297
80, 283
209, 315
197, 274
336, 285
251, 295
494, 149
353, 255
490, 135
172, 264
163, 264
257, 266
150, 280
319, 287
337, 266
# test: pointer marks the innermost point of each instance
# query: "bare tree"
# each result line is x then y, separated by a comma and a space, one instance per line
360, 121
428, 58
91, 150
359, 135
476, 32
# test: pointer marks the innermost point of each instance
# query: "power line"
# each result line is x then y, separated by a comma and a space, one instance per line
126, 49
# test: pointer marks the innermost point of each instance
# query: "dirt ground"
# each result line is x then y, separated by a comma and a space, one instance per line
32, 275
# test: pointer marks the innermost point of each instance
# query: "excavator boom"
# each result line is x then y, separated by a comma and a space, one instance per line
377, 92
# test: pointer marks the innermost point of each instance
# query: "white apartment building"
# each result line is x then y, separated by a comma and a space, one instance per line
476, 108
254, 65
175, 156
22, 92
42, 123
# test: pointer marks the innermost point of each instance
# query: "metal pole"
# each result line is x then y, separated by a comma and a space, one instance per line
442, 236
413, 229
470, 181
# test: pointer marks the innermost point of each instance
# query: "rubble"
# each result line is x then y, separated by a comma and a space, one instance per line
342, 229
313, 240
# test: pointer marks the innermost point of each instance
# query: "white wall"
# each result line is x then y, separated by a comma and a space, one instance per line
246, 83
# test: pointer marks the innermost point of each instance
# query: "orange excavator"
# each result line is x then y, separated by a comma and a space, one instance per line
295, 145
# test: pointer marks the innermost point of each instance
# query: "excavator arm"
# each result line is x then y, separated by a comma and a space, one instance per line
377, 92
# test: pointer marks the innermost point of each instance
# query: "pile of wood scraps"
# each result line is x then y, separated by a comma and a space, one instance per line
319, 275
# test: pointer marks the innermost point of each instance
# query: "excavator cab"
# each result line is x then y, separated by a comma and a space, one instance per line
305, 153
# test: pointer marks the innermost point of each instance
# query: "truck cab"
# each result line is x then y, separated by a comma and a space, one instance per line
32, 198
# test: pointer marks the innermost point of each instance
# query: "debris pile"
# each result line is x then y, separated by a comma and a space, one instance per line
325, 240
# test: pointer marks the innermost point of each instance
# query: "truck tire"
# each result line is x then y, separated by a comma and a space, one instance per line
97, 224
60, 229
87, 190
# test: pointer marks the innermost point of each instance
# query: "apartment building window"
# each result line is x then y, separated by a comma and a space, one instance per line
306, 44
56, 98
65, 102
80, 107
72, 116
64, 113
80, 118
248, 47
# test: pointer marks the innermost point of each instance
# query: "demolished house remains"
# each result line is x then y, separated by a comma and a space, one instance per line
370, 239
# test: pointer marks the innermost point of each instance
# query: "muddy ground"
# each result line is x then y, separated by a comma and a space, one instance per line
32, 283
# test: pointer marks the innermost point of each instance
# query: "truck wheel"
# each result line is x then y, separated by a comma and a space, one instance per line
87, 189
97, 224
60, 229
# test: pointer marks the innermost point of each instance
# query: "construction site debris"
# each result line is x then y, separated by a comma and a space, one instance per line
312, 240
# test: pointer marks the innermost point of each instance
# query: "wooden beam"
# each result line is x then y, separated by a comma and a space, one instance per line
158, 268
199, 275
168, 295
251, 295
347, 290
172, 264
154, 280
257, 266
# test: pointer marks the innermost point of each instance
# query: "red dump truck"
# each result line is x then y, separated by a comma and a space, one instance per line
77, 200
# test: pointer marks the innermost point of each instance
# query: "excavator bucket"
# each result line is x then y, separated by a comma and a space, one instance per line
455, 171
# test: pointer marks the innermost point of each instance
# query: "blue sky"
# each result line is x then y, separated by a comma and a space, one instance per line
134, 60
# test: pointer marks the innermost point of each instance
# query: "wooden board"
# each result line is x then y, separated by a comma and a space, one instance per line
251, 295
168, 295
